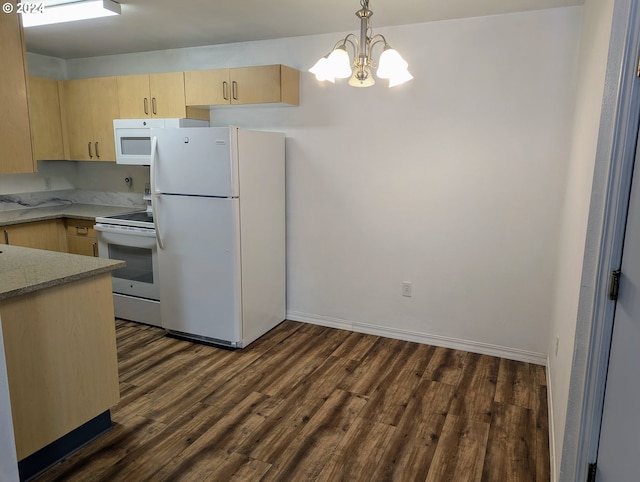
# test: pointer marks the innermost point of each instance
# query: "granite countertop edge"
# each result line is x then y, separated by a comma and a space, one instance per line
26, 270
75, 211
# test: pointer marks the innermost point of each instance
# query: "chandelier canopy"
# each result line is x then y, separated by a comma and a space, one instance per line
337, 64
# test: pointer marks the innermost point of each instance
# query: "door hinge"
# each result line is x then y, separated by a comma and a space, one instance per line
614, 284
591, 475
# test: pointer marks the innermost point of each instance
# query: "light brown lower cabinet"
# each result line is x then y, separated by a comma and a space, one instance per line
49, 235
62, 366
81, 237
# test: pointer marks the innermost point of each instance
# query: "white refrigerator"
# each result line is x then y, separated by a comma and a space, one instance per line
218, 197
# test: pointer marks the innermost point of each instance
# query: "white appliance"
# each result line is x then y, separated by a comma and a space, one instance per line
133, 137
132, 237
218, 198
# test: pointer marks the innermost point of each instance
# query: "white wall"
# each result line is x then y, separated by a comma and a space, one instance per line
582, 221
452, 181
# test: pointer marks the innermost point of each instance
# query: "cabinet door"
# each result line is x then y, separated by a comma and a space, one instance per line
46, 124
207, 87
255, 85
48, 235
167, 95
86, 246
77, 95
104, 108
134, 100
15, 132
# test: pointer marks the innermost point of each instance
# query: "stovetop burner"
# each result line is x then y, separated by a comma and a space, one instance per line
141, 216
137, 219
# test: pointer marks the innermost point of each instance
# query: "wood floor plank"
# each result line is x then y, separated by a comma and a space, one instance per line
373, 367
460, 452
389, 400
418, 433
476, 390
355, 346
540, 422
358, 454
510, 455
307, 454
515, 383
446, 366
307, 403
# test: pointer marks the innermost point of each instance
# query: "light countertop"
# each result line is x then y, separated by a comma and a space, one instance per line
25, 270
77, 211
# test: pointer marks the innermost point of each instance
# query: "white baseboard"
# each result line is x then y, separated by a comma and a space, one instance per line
443, 341
552, 432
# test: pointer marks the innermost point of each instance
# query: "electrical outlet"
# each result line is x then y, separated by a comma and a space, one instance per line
406, 288
557, 344
47, 183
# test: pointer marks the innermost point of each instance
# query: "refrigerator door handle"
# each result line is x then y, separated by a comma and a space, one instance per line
156, 225
153, 165
153, 170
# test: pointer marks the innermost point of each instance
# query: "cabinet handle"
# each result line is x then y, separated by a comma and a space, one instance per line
95, 250
234, 90
82, 230
89, 147
225, 94
6, 237
153, 106
146, 106
97, 151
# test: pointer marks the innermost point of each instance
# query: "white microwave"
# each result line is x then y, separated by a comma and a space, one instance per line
133, 137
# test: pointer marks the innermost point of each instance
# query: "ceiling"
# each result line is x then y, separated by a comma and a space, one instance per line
147, 25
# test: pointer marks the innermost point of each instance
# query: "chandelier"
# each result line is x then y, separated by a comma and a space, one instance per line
337, 65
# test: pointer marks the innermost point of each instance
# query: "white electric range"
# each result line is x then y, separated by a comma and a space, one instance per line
131, 237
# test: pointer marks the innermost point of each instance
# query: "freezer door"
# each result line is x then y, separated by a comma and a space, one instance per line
200, 266
197, 161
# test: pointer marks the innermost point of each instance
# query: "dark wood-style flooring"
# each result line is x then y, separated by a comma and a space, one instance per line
307, 403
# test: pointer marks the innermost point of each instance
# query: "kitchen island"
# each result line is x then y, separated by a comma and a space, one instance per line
58, 332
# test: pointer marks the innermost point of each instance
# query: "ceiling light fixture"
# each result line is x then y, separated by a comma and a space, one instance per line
59, 11
337, 65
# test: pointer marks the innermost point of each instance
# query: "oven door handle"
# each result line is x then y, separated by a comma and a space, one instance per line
115, 230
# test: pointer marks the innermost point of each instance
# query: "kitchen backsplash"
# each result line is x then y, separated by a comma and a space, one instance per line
9, 202
60, 182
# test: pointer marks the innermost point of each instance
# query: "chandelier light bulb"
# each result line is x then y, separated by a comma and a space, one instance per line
400, 78
339, 63
390, 64
321, 70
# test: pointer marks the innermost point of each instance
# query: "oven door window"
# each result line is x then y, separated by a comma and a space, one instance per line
139, 263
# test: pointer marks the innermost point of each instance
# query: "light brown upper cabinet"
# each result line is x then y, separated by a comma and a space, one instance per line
155, 95
46, 121
90, 105
246, 85
15, 132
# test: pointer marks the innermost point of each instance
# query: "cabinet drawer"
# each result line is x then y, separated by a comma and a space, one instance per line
80, 227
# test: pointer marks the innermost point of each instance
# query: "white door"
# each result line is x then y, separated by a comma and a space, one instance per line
619, 449
195, 161
200, 266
